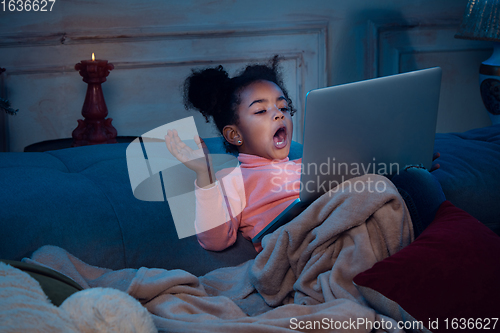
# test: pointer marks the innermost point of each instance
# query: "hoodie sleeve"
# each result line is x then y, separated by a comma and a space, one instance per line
218, 211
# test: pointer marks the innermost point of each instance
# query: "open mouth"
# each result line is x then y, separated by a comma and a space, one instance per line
280, 138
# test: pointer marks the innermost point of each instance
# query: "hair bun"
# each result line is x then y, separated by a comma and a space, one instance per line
204, 90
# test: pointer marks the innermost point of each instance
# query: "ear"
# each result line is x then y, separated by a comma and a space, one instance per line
232, 135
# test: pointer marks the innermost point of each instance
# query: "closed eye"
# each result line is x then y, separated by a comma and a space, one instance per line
285, 109
261, 111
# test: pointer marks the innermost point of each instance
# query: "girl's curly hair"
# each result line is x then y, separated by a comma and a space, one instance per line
214, 94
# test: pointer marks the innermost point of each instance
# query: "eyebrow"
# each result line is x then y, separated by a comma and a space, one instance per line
281, 98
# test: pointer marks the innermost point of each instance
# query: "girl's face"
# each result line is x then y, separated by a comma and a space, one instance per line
265, 124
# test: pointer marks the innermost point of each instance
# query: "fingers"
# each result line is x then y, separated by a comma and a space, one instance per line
198, 140
171, 142
175, 141
201, 144
173, 150
175, 145
168, 141
435, 167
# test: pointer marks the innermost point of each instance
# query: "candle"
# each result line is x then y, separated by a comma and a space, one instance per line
94, 70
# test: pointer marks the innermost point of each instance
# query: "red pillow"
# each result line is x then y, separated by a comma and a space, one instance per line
448, 278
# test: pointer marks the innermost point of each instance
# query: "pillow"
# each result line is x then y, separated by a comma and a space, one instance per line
468, 172
448, 278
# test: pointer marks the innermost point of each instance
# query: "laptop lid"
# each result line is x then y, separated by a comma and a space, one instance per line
373, 126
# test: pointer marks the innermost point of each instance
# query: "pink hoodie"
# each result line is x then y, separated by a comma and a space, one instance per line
269, 187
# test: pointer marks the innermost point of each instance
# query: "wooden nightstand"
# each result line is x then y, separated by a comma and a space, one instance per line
66, 143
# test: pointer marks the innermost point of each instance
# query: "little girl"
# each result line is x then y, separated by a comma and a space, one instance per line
253, 113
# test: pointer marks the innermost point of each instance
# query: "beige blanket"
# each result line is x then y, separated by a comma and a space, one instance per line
302, 280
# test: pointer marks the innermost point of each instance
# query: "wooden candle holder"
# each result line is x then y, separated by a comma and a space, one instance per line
95, 128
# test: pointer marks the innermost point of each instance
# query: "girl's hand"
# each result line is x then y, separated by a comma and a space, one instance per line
435, 166
196, 160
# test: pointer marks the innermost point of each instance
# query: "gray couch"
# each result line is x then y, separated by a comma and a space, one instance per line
81, 199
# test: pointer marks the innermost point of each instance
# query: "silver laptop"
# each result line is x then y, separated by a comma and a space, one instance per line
374, 126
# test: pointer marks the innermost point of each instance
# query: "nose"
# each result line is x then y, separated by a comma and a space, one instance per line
278, 115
